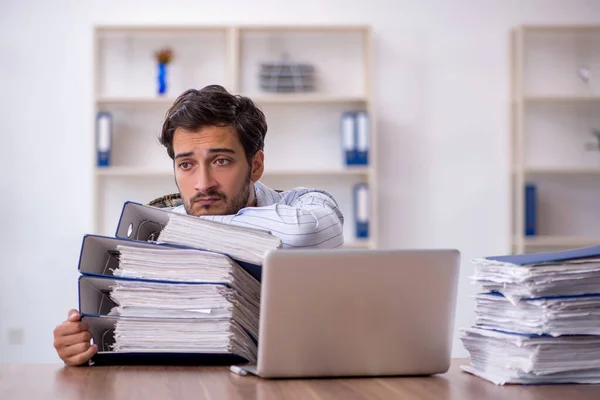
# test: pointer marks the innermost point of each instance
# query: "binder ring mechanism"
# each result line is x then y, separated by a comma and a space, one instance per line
147, 231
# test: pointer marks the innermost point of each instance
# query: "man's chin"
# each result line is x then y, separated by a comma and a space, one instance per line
198, 209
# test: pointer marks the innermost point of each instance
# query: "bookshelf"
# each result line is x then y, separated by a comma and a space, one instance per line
555, 105
303, 142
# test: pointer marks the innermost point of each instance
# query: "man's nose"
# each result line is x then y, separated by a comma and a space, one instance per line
204, 180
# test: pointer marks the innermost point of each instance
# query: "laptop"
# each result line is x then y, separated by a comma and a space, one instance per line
353, 312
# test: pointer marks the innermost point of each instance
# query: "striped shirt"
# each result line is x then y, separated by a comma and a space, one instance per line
300, 217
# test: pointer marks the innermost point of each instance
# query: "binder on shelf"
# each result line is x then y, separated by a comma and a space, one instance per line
362, 138
355, 137
530, 209
103, 138
348, 128
361, 210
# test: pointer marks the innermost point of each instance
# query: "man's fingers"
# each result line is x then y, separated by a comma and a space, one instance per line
69, 328
75, 349
73, 315
80, 337
81, 357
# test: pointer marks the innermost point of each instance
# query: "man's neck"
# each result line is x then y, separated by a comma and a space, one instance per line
252, 202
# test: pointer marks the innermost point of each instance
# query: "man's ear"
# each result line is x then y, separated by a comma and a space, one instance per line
258, 166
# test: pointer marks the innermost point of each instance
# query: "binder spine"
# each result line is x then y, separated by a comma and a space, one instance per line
361, 210
103, 138
530, 209
362, 138
348, 133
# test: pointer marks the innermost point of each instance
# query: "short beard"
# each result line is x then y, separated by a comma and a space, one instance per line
232, 206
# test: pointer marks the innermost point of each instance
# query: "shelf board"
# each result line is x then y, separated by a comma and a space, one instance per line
561, 28
560, 241
357, 244
132, 172
305, 28
259, 98
559, 99
304, 98
350, 171
563, 170
153, 172
117, 100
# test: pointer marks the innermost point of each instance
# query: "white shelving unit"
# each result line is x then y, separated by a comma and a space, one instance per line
553, 112
303, 142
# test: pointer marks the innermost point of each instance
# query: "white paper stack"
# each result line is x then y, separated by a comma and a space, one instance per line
182, 336
243, 244
179, 300
538, 318
513, 358
560, 278
554, 316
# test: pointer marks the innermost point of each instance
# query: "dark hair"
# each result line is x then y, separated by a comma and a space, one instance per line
213, 105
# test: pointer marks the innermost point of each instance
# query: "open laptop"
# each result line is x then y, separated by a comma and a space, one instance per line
334, 313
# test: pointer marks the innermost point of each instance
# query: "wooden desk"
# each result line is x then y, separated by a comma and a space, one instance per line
54, 381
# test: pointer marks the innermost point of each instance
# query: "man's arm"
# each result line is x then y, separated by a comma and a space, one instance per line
304, 218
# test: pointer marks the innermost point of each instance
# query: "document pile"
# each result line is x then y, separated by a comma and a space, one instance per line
146, 295
537, 318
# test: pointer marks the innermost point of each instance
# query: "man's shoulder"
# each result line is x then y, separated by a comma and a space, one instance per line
167, 201
296, 193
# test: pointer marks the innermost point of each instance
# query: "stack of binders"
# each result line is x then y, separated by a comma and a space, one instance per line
355, 135
154, 301
537, 318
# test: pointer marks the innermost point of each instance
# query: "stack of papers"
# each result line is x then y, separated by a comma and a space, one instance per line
243, 244
561, 278
537, 318
186, 265
182, 336
173, 299
554, 316
512, 358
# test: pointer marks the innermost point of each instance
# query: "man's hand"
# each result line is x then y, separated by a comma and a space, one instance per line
72, 340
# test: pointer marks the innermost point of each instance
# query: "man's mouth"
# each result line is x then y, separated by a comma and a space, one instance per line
206, 201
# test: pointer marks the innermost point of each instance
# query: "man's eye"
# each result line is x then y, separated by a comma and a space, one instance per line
184, 165
222, 161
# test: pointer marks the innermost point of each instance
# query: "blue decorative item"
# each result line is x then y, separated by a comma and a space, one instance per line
163, 58
162, 78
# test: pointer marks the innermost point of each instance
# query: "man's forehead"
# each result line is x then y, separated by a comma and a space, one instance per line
206, 138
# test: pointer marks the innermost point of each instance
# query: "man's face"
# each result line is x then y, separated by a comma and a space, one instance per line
212, 172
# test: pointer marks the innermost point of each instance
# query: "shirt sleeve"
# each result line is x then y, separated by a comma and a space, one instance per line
303, 218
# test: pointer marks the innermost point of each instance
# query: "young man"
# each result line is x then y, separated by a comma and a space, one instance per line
216, 141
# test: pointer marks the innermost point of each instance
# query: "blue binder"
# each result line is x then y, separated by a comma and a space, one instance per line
530, 209
361, 210
348, 137
103, 138
362, 137
552, 256
144, 223
96, 261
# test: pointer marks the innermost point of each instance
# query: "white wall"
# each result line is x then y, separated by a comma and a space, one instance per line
442, 91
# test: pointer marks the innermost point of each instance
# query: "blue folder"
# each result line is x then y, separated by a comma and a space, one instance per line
143, 223
361, 210
348, 137
553, 256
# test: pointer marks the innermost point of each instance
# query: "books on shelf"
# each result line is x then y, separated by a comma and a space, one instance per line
149, 299
537, 318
